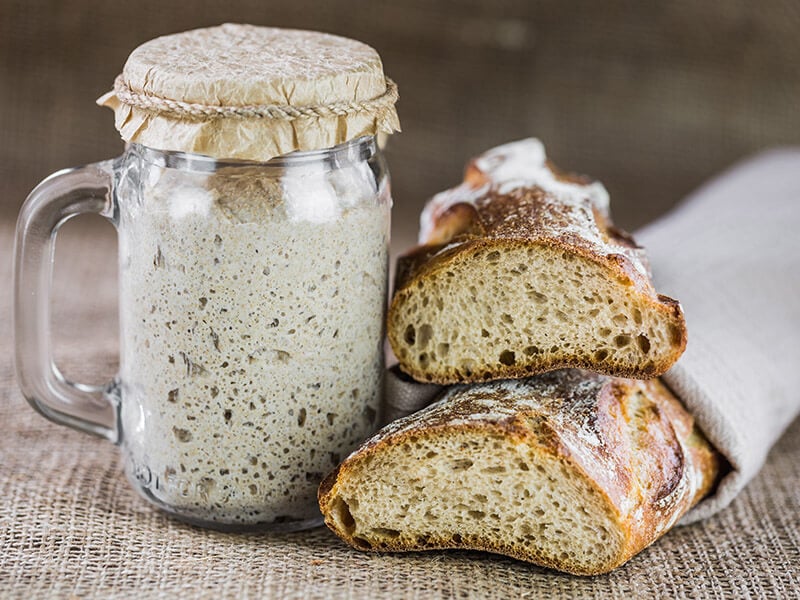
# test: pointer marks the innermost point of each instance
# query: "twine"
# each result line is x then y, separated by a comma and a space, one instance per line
186, 110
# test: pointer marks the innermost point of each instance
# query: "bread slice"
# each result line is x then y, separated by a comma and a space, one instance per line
569, 470
520, 272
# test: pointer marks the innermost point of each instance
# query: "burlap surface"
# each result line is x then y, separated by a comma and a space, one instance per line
70, 525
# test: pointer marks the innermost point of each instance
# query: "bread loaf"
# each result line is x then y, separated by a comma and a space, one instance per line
520, 272
569, 470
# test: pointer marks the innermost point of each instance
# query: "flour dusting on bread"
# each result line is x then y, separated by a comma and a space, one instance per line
521, 271
514, 165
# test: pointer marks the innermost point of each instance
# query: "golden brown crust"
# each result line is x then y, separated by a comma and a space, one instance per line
531, 215
478, 208
631, 441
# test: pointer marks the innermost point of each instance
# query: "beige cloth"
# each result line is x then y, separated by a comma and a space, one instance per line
70, 525
731, 254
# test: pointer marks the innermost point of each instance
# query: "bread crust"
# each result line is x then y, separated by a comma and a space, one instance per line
631, 441
483, 214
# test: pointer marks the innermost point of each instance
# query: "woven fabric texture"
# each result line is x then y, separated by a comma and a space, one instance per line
70, 526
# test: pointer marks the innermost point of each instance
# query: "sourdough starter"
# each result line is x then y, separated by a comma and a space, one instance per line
252, 319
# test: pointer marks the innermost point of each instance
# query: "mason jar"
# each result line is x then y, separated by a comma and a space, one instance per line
252, 301
252, 292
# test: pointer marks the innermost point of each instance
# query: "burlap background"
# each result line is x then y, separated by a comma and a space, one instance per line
70, 525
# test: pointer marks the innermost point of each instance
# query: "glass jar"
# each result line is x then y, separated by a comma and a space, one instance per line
252, 299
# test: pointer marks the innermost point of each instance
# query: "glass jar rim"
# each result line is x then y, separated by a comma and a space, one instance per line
355, 150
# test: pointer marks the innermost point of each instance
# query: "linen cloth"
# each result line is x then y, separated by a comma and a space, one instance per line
731, 254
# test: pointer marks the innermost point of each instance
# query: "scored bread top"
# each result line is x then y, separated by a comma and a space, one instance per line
517, 164
514, 192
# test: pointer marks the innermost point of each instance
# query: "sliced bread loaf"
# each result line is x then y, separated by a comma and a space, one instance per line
569, 470
520, 271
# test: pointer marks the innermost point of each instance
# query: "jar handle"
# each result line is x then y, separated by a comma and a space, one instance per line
63, 195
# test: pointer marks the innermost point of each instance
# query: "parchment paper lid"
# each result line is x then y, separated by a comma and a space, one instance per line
247, 92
